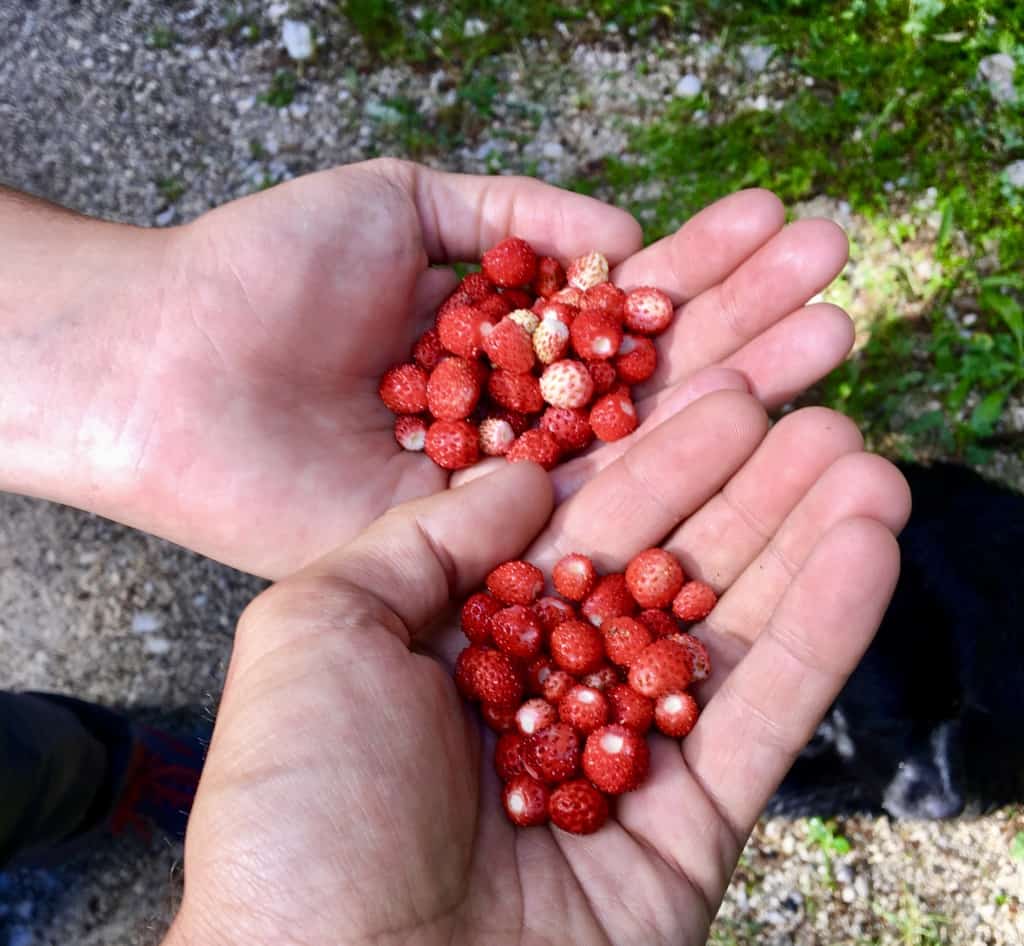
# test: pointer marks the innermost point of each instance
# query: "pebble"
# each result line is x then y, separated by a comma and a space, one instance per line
156, 645
297, 37
998, 71
756, 56
1015, 173
145, 622
689, 86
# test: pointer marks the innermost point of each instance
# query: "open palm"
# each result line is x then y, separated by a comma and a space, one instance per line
262, 441
348, 797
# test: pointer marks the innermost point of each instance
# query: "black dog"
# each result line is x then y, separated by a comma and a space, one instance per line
932, 721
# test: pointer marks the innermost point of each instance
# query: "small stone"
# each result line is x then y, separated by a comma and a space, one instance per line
298, 110
145, 622
474, 27
156, 645
689, 86
244, 105
277, 10
1015, 173
165, 218
755, 56
297, 37
552, 150
997, 70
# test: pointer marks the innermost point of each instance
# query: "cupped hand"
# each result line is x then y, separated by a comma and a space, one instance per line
256, 435
349, 797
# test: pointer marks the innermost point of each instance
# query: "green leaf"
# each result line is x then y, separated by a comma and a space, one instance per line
1008, 310
985, 415
1017, 846
930, 420
946, 226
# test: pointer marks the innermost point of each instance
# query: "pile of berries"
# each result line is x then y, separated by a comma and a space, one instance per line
573, 683
562, 349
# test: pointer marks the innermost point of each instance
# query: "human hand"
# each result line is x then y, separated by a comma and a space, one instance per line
349, 798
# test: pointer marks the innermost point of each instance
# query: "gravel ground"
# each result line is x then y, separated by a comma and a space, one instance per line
152, 114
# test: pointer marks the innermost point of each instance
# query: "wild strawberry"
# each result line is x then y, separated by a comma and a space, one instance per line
453, 390
494, 306
578, 807
602, 678
570, 426
496, 437
624, 638
566, 383
535, 715
556, 685
511, 262
516, 392
519, 423
698, 654
495, 679
536, 446
636, 360
616, 759
550, 341
467, 665
659, 623
654, 578
548, 310
607, 298
695, 601
403, 389
583, 708
410, 432
526, 801
595, 334
480, 371
477, 286
428, 350
569, 295
516, 582
675, 714
518, 632
574, 576
476, 616
526, 320
508, 755
577, 647
552, 612
648, 311
518, 298
550, 277
662, 667
455, 300
603, 375
499, 717
629, 708
452, 444
610, 598
461, 330
586, 271
508, 346
613, 417
552, 754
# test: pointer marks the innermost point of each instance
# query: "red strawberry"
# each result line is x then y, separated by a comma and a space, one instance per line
607, 298
537, 672
624, 639
553, 754
578, 807
698, 654
583, 708
452, 444
602, 678
648, 311
613, 417
516, 392
494, 306
526, 801
577, 647
550, 277
629, 708
453, 390
455, 300
526, 320
461, 330
496, 437
569, 426
476, 285
428, 350
595, 334
467, 666
495, 679
549, 310
662, 667
616, 759
518, 298
569, 295
508, 755
552, 612
516, 582
410, 432
588, 270
476, 616
636, 360
659, 623
695, 601
556, 684
550, 341
519, 423
517, 631
603, 375
403, 389
566, 383
511, 262
499, 717
535, 715
609, 599
654, 578
574, 576
508, 345
675, 714
536, 446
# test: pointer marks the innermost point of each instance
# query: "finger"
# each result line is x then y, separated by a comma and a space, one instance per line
463, 215
708, 247
432, 288
664, 478
766, 710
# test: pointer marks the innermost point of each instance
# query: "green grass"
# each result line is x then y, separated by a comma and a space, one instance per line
825, 836
171, 188
282, 89
914, 925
